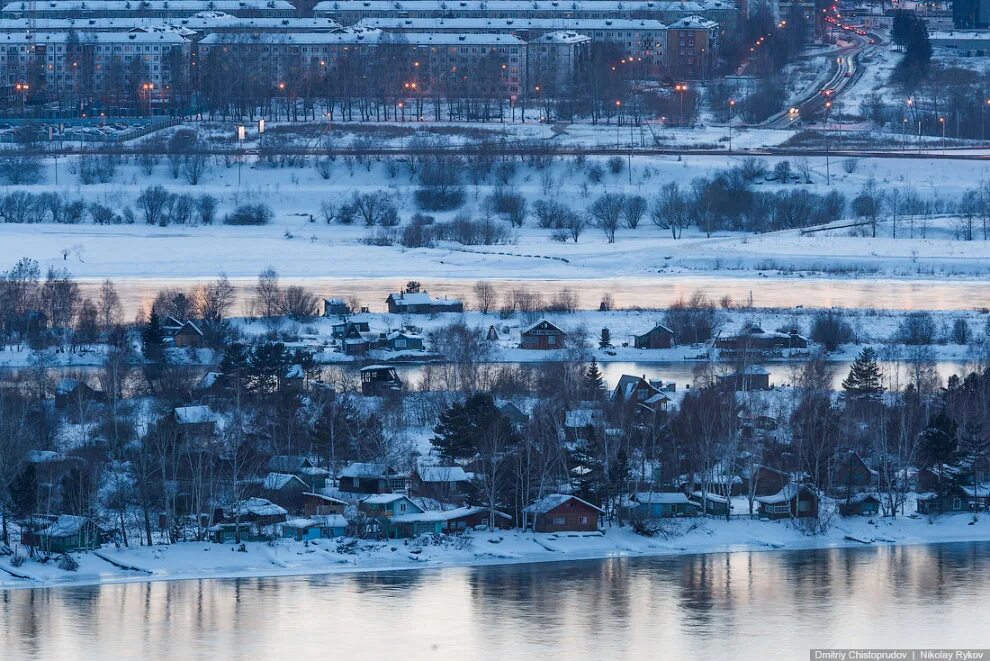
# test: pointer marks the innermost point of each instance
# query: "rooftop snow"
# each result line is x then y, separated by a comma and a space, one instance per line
554, 500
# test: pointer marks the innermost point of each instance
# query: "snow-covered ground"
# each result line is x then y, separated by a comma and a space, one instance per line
188, 560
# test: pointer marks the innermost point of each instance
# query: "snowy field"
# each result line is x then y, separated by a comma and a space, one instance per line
191, 560
298, 244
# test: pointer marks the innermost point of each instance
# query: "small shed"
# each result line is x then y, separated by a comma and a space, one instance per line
711, 503
863, 504
542, 336
379, 380
318, 503
659, 337
661, 505
316, 527
335, 307
64, 533
793, 501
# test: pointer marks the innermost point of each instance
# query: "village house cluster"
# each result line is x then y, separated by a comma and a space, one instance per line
153, 51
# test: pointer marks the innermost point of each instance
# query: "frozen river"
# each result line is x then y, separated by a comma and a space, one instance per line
746, 606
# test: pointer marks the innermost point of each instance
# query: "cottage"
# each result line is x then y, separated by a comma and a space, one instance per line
316, 527
956, 498
227, 532
852, 474
659, 337
189, 335
861, 504
542, 336
377, 380
361, 323
711, 503
579, 422
443, 521
636, 390
335, 307
562, 513
387, 505
753, 377
258, 511
318, 503
443, 483
73, 394
793, 501
404, 341
752, 337
195, 421
513, 414
62, 534
371, 478
285, 490
656, 505
421, 303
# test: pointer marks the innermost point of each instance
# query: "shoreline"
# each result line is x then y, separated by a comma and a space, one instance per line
619, 543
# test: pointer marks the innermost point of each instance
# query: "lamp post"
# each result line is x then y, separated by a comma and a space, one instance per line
680, 88
828, 171
983, 126
941, 120
732, 106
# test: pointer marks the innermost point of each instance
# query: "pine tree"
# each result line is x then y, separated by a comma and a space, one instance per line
594, 383
462, 427
864, 380
153, 337
24, 492
606, 339
938, 448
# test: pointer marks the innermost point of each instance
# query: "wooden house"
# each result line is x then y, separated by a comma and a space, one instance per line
578, 422
384, 506
955, 499
443, 521
404, 341
659, 505
285, 490
562, 513
542, 336
189, 335
335, 307
860, 504
300, 466
73, 394
378, 380
62, 533
852, 474
659, 337
710, 503
752, 337
644, 395
318, 503
793, 501
448, 484
513, 414
359, 323
316, 527
370, 478
259, 511
421, 303
194, 422
751, 378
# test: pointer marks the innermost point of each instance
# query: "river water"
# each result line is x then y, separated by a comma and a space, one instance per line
741, 606
656, 291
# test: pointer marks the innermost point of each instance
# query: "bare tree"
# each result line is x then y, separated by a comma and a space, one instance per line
606, 212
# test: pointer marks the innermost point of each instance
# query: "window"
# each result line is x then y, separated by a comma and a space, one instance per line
583, 520
551, 339
559, 520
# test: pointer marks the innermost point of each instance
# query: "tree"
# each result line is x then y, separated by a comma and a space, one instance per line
594, 383
485, 296
864, 380
155, 202
670, 210
24, 492
463, 425
606, 213
153, 337
938, 448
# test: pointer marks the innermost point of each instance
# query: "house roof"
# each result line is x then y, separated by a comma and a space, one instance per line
64, 526
441, 474
580, 417
43, 456
383, 498
364, 470
324, 497
191, 415
553, 501
784, 495
536, 324
714, 497
319, 520
445, 515
287, 463
659, 498
278, 481
258, 507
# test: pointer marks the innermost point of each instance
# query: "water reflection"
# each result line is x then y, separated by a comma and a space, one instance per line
740, 606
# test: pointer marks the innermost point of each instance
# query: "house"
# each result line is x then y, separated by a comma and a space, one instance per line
300, 466
357, 342
752, 337
259, 511
227, 532
443, 521
377, 380
194, 421
63, 533
75, 394
360, 323
50, 466
513, 414
753, 377
792, 501
318, 503
861, 504
294, 379
542, 336
767, 481
560, 512
404, 341
285, 490
711, 503
578, 421
370, 478
642, 393
316, 527
386, 505
189, 335
421, 303
335, 307
659, 337
852, 474
956, 498
657, 505
444, 483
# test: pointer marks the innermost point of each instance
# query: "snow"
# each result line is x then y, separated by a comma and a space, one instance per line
258, 507
290, 558
278, 481
548, 503
660, 498
383, 498
364, 470
441, 474
193, 415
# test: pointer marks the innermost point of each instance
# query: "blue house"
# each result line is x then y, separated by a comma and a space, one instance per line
325, 526
647, 505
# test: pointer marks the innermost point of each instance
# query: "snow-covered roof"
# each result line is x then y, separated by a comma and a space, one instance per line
441, 474
714, 497
693, 23
102, 6
784, 495
258, 507
64, 526
364, 470
445, 515
383, 498
472, 23
293, 38
193, 415
536, 324
324, 497
278, 481
554, 500
43, 456
287, 463
658, 498
562, 37
516, 6
580, 417
423, 298
140, 37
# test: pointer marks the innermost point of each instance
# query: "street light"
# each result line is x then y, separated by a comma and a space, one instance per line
732, 106
680, 88
828, 170
941, 120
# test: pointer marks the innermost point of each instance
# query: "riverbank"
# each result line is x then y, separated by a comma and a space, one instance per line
201, 560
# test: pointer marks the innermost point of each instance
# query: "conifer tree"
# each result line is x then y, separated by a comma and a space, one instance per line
594, 383
864, 380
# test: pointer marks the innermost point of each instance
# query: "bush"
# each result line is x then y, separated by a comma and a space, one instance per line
917, 328
437, 198
595, 173
961, 333
206, 206
830, 330
615, 164
20, 169
250, 214
67, 563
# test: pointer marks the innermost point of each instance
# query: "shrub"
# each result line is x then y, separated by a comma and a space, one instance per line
250, 214
917, 328
961, 333
437, 198
615, 164
206, 206
830, 330
20, 169
67, 563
